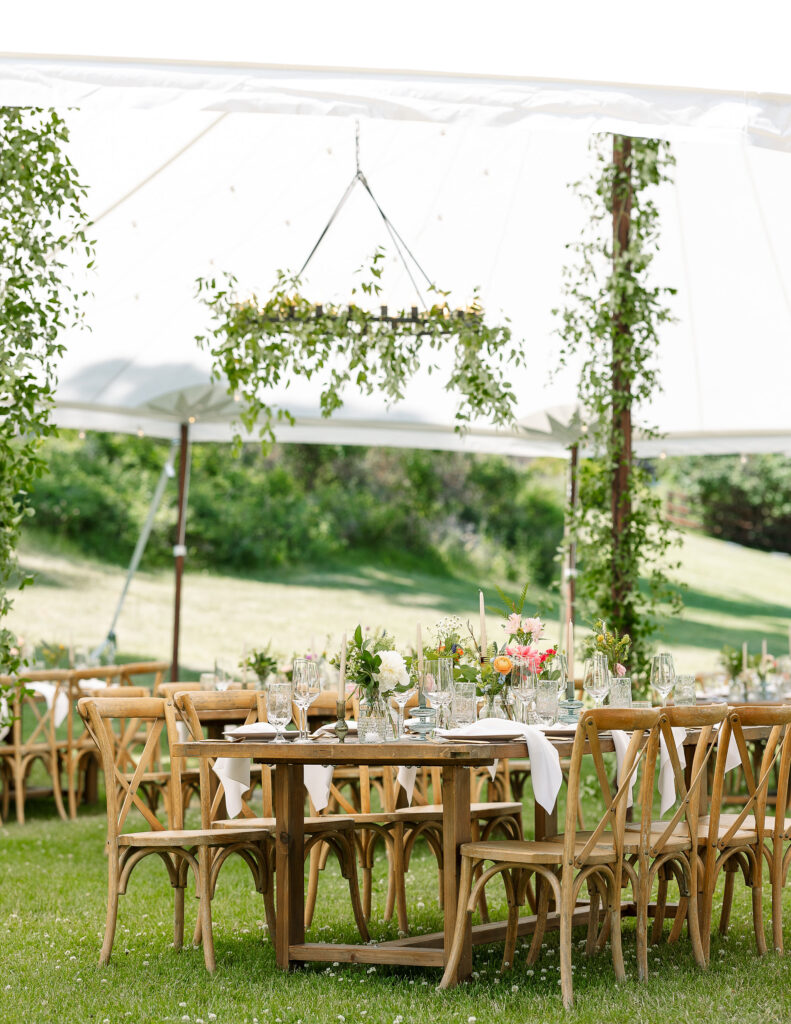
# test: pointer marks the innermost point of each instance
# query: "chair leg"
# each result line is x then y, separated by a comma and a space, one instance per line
661, 901
614, 916
593, 916
204, 908
693, 915
397, 879
727, 896
542, 907
178, 917
776, 878
349, 868
462, 919
313, 885
113, 874
512, 928
19, 793
566, 919
641, 905
57, 792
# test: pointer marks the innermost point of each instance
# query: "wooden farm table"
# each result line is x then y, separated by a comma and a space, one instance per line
454, 758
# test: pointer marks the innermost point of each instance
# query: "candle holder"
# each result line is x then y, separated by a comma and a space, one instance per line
341, 728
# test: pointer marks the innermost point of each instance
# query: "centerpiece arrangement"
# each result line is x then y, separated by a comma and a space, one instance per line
376, 671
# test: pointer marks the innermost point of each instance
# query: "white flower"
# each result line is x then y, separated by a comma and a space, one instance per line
392, 672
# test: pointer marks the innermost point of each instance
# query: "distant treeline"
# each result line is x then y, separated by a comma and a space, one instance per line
745, 499
305, 504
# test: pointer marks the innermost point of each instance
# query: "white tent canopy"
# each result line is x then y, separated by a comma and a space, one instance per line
202, 156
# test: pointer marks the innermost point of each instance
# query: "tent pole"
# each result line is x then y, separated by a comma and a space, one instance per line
571, 563
179, 549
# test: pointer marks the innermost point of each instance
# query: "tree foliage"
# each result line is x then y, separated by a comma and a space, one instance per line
612, 316
42, 222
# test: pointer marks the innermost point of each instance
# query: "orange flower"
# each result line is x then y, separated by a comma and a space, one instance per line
502, 664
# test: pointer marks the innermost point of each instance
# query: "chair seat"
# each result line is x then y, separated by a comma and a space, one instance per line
187, 837
678, 842
746, 835
534, 852
312, 825
483, 811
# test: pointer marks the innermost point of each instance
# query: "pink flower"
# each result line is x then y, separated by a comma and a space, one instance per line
528, 654
535, 627
514, 624
620, 670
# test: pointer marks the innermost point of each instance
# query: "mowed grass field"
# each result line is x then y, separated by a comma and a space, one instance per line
732, 594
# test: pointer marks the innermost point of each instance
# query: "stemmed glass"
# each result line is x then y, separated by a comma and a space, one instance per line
524, 685
438, 684
402, 699
596, 678
307, 686
560, 664
663, 674
278, 707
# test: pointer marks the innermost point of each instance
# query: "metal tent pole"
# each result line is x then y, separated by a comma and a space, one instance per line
180, 549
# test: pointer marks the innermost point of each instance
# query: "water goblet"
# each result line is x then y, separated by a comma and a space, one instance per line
663, 675
465, 702
596, 678
546, 702
524, 683
438, 684
307, 686
401, 699
278, 707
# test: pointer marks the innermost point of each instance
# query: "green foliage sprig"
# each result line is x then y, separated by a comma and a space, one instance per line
42, 225
262, 662
258, 345
732, 660
613, 315
608, 641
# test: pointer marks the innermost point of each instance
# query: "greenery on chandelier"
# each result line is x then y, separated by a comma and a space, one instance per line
42, 225
613, 315
257, 346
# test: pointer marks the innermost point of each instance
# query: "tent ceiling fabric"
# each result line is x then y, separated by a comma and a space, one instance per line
472, 168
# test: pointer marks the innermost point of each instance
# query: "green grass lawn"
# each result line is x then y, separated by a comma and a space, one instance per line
52, 891
732, 594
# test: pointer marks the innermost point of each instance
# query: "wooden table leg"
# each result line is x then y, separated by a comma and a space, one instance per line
456, 829
289, 860
545, 823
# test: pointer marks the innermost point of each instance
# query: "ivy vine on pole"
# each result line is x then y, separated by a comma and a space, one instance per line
42, 225
257, 346
613, 315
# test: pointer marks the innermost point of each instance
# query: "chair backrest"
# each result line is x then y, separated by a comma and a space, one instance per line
777, 749
100, 714
186, 706
132, 669
705, 718
640, 748
168, 689
37, 726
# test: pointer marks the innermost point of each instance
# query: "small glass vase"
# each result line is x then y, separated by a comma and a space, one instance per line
493, 708
372, 721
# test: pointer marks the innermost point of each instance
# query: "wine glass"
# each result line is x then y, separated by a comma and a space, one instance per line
524, 683
560, 664
278, 707
438, 684
307, 686
663, 674
401, 699
596, 678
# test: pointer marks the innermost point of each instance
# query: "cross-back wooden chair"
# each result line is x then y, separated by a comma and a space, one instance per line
660, 849
594, 858
33, 738
130, 672
181, 850
734, 842
335, 832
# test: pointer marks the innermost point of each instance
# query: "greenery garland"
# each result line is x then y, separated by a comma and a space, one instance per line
42, 223
257, 346
613, 316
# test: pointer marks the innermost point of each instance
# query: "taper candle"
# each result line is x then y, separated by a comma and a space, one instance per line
570, 659
744, 656
342, 672
483, 625
764, 653
419, 650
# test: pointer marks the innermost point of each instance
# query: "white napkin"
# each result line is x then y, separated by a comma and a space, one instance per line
48, 692
234, 774
667, 780
406, 777
544, 759
4, 729
318, 779
620, 741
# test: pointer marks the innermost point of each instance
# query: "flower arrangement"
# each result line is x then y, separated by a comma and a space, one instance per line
262, 662
374, 667
609, 642
448, 639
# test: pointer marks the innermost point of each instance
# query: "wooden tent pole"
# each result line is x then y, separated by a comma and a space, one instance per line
179, 549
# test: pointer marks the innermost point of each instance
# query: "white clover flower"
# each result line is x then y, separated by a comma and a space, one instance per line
392, 672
